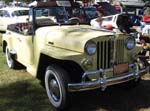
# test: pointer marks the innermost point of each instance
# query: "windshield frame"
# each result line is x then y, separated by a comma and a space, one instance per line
58, 12
33, 18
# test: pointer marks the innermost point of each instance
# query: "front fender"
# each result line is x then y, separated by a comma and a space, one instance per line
62, 54
7, 40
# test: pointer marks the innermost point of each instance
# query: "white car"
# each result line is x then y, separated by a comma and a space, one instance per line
117, 23
110, 20
107, 20
10, 15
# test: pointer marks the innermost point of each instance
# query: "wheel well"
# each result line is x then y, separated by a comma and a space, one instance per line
4, 45
74, 71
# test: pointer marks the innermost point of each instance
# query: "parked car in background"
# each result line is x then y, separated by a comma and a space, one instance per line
10, 15
134, 9
110, 14
107, 8
90, 12
127, 8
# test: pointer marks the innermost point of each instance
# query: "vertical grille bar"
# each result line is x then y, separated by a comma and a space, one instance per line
101, 54
98, 56
105, 53
120, 51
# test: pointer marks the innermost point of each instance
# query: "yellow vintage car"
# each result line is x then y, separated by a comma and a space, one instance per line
69, 56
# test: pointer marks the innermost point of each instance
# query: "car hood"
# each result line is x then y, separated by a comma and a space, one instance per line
70, 37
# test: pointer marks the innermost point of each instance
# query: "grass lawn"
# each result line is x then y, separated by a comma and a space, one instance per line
19, 91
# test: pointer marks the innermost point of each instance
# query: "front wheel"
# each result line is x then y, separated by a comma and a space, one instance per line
56, 82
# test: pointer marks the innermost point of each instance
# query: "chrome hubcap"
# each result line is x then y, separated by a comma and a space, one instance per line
54, 89
8, 56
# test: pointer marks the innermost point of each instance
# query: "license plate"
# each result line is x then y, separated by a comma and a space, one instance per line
121, 68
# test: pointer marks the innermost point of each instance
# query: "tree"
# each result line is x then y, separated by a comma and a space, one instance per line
25, 1
7, 1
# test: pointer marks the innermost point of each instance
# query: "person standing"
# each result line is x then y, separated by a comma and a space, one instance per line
146, 9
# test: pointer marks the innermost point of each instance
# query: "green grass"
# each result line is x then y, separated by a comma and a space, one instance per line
19, 91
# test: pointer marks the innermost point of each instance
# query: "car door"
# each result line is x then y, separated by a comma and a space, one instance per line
24, 48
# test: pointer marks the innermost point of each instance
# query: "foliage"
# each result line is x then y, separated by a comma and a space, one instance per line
7, 1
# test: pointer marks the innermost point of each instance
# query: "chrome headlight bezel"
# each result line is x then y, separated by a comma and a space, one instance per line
130, 43
90, 47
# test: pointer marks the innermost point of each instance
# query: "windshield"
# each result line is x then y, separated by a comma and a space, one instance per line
58, 15
52, 15
20, 13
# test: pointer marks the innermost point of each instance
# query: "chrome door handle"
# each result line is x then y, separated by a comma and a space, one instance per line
19, 39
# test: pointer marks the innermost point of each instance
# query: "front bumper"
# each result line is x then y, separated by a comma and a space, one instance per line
104, 82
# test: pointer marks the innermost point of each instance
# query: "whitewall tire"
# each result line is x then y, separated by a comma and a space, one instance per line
56, 81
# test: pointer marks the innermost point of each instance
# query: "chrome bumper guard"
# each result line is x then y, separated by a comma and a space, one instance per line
104, 82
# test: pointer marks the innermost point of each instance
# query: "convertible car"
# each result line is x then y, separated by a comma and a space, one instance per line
68, 56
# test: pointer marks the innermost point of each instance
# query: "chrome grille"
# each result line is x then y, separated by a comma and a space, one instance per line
119, 51
106, 55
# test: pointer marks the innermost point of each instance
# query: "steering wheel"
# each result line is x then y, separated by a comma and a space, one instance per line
74, 20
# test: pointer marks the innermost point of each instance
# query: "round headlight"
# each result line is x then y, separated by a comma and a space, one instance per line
90, 48
130, 43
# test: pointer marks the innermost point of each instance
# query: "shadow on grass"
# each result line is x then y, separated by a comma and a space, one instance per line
114, 99
30, 96
24, 96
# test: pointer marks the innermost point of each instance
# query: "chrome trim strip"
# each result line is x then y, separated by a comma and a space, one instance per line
103, 82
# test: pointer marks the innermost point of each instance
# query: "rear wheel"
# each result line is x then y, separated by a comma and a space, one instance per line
56, 82
10, 61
